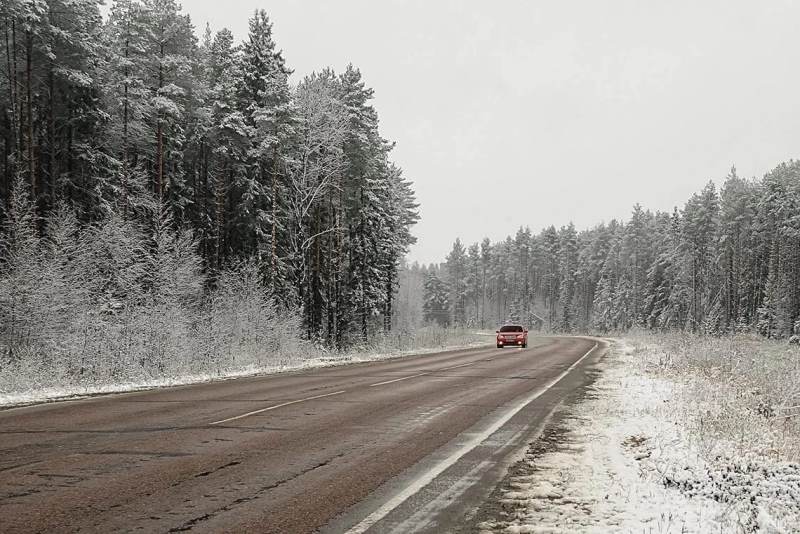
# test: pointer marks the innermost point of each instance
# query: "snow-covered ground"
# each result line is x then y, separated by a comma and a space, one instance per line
19, 389
651, 449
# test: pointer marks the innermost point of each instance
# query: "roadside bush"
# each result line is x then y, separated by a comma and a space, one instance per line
119, 302
742, 394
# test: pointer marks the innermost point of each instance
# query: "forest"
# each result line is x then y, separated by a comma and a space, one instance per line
148, 172
727, 261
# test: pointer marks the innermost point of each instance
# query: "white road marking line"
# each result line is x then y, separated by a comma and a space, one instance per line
275, 407
398, 379
424, 374
457, 366
439, 468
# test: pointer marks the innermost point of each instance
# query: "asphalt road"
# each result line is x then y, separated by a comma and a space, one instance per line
405, 445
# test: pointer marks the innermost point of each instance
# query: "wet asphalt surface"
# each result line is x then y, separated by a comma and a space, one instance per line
318, 450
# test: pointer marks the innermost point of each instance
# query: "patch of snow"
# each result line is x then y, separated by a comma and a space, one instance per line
626, 459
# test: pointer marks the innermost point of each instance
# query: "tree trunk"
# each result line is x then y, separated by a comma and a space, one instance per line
29, 114
53, 163
363, 273
12, 99
387, 319
17, 104
483, 297
160, 134
274, 248
219, 210
331, 280
125, 105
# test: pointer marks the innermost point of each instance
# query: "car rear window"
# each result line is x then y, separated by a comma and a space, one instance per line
511, 328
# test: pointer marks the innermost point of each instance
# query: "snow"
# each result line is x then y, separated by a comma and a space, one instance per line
627, 458
313, 358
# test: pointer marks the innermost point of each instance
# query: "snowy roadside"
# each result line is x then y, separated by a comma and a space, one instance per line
311, 358
639, 453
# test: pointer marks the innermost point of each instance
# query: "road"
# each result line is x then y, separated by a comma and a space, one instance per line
401, 445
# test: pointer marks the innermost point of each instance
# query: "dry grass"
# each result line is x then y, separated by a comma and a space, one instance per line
741, 396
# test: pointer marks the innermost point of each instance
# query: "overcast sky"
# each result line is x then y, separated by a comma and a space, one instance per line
520, 113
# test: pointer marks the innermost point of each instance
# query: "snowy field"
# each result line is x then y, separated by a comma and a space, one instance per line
678, 434
25, 385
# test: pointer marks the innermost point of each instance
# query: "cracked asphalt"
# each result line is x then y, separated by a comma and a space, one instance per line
317, 450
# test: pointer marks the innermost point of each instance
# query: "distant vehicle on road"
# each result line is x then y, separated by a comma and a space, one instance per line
512, 335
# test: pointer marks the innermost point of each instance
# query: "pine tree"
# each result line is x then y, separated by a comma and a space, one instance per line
365, 154
169, 46
229, 138
265, 101
604, 311
436, 301
457, 270
568, 265
126, 94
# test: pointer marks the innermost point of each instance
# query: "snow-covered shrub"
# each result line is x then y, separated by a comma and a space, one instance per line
240, 326
119, 301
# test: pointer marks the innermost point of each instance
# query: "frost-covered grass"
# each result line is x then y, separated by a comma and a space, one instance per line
741, 393
199, 355
736, 402
678, 434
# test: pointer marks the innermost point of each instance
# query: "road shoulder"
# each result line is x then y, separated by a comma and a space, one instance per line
602, 462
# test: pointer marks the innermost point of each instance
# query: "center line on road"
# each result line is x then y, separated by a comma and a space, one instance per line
457, 366
275, 407
398, 379
427, 373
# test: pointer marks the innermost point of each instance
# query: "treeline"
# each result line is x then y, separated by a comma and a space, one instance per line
134, 117
728, 261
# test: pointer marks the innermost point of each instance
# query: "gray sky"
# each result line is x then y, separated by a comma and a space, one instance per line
512, 113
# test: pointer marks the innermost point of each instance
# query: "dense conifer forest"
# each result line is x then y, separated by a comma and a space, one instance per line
727, 261
155, 149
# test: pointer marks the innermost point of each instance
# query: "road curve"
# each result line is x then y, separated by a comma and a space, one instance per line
410, 444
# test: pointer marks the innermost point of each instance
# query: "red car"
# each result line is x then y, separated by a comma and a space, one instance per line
512, 335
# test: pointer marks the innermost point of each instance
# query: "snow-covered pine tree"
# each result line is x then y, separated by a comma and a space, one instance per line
568, 267
699, 227
456, 268
473, 282
126, 96
436, 301
364, 206
551, 274
402, 214
228, 142
604, 318
264, 99
485, 257
745, 250
169, 46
